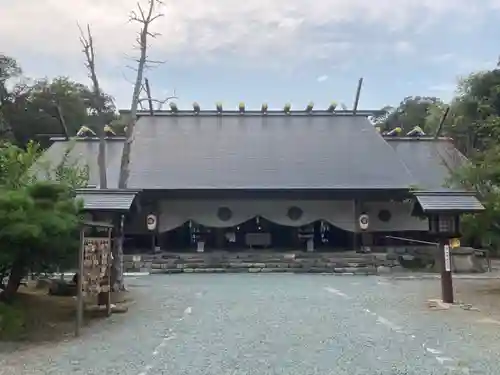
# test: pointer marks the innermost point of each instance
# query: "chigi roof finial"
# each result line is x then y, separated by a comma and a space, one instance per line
196, 108
287, 108
218, 106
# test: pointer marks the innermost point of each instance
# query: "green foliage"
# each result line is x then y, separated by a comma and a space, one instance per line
482, 175
38, 225
15, 163
67, 171
39, 220
30, 109
18, 169
413, 111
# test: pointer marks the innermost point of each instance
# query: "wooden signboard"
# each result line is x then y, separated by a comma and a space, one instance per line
96, 264
94, 268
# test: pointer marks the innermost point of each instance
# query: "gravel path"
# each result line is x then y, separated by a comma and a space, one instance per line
274, 324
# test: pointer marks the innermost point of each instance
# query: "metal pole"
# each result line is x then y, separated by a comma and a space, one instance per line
446, 277
79, 283
412, 240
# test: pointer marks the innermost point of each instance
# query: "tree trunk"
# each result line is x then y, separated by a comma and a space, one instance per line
125, 159
101, 157
16, 275
117, 282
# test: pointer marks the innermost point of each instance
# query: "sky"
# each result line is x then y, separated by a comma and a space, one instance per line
256, 51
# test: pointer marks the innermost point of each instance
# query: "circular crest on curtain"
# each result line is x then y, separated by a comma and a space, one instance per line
224, 213
384, 215
294, 213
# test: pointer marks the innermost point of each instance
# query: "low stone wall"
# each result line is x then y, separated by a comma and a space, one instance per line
297, 262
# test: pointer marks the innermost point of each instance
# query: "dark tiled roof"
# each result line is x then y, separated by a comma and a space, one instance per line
85, 152
429, 161
263, 152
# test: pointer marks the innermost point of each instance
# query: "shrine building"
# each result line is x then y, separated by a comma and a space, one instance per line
269, 179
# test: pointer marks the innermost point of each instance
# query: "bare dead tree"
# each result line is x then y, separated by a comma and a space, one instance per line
88, 49
145, 18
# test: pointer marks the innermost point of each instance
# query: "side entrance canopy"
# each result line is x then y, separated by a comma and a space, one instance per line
106, 199
447, 202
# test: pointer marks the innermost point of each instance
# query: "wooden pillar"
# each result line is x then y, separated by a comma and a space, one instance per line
356, 212
154, 241
220, 239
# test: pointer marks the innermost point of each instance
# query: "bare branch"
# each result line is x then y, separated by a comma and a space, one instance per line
160, 103
126, 78
88, 49
155, 61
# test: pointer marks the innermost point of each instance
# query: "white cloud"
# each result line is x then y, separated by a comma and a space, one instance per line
322, 78
404, 47
199, 27
43, 34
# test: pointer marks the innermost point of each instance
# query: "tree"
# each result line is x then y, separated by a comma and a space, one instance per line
30, 108
38, 229
98, 103
18, 168
482, 175
145, 18
474, 121
422, 111
15, 164
475, 128
8, 69
37, 218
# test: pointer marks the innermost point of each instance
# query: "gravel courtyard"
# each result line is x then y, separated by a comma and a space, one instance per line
275, 324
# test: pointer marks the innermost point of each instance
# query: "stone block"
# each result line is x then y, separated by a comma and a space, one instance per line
257, 265
365, 271
254, 270
165, 271
188, 270
239, 265
237, 270
319, 270
276, 265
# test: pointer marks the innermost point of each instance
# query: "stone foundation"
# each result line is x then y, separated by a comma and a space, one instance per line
254, 262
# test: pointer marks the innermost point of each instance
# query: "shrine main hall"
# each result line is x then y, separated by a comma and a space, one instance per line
287, 179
